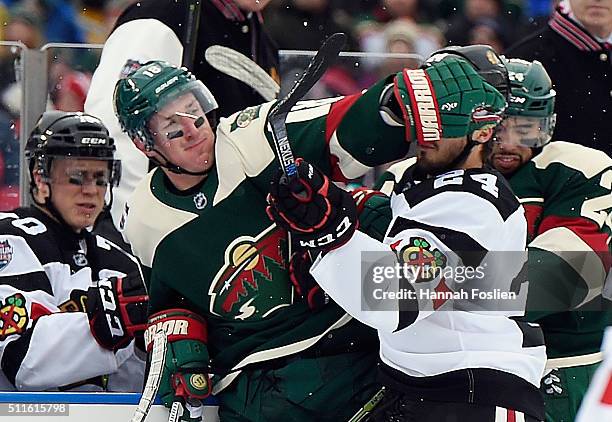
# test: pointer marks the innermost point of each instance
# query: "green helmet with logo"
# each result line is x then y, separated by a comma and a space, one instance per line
145, 91
532, 98
531, 89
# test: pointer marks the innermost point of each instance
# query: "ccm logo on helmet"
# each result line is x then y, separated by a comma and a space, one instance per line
93, 141
428, 127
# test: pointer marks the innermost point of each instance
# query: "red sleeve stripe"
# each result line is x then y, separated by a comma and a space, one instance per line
532, 214
336, 113
584, 228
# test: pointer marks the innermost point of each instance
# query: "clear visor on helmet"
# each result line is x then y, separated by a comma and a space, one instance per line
533, 132
186, 105
79, 175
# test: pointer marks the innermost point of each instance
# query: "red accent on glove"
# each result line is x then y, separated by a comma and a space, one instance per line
124, 301
178, 324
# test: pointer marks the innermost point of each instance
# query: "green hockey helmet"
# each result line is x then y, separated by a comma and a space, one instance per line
529, 118
145, 91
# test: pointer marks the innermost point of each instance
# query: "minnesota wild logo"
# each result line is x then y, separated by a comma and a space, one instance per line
13, 316
428, 261
253, 282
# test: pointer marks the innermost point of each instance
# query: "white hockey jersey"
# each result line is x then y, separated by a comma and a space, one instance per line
457, 218
45, 340
597, 404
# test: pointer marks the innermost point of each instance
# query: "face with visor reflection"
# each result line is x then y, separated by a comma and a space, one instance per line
78, 189
182, 134
514, 139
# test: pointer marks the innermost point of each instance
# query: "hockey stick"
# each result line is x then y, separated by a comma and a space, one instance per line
368, 407
158, 359
191, 33
277, 116
239, 66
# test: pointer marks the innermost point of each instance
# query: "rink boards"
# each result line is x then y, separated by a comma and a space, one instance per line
82, 407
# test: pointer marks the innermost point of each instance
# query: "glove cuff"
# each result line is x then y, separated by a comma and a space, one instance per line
414, 90
178, 324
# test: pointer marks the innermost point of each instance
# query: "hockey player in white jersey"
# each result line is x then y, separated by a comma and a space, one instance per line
70, 301
435, 364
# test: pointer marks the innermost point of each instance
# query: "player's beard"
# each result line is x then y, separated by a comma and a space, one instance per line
438, 159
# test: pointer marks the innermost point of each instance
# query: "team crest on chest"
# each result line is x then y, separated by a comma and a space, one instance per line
6, 253
200, 201
253, 282
425, 259
13, 316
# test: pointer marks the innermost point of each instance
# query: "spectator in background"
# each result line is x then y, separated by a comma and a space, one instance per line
488, 32
69, 86
98, 17
304, 24
157, 30
92, 19
575, 50
428, 37
24, 25
476, 12
401, 37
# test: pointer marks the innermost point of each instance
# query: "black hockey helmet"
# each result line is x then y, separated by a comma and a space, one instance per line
60, 134
487, 63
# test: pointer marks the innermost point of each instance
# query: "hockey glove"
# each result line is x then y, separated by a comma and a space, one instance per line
117, 311
304, 283
446, 99
319, 215
185, 373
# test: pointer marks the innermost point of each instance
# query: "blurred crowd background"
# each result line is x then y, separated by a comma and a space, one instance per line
415, 27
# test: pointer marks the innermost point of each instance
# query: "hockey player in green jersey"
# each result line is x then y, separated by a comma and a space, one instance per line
219, 266
566, 191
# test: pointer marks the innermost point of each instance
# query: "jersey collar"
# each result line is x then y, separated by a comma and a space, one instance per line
572, 31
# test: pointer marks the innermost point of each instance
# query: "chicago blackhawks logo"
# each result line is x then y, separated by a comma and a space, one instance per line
253, 282
13, 316
426, 261
6, 253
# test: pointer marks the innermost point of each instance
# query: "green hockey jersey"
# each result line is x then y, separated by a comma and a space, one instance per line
566, 193
214, 250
